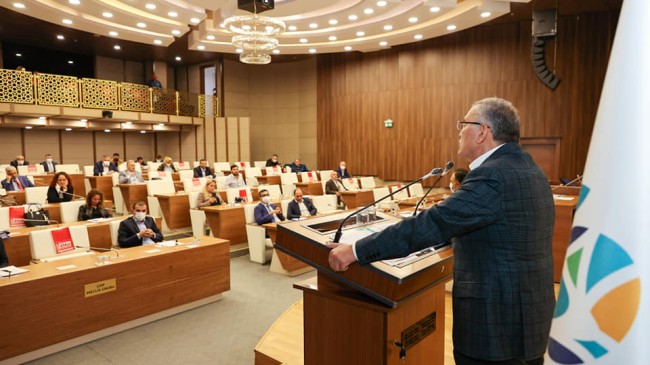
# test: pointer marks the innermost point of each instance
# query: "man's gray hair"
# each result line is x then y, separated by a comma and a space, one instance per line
501, 116
10, 169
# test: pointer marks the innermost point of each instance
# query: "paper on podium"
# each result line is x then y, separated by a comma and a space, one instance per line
351, 236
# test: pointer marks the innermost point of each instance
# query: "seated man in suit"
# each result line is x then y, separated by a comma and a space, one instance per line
142, 162
273, 161
343, 170
265, 212
296, 166
203, 170
300, 207
335, 186
104, 166
130, 175
4, 260
19, 161
49, 163
13, 182
139, 230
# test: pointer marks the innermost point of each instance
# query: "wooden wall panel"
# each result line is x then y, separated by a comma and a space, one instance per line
426, 87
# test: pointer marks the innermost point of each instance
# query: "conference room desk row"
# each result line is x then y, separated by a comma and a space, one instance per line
77, 181
58, 305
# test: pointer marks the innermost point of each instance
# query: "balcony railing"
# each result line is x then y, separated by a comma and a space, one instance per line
56, 90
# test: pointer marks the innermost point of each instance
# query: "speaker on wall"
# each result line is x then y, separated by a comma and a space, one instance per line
256, 6
544, 23
539, 64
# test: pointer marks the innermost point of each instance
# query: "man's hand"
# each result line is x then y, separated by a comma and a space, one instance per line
341, 256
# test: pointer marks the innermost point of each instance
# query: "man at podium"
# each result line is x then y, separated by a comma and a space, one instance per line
501, 221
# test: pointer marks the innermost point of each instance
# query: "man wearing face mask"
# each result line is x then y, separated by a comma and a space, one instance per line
343, 171
49, 163
104, 166
19, 161
456, 179
139, 230
265, 212
273, 161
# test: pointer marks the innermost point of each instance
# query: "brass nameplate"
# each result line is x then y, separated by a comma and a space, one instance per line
418, 331
100, 287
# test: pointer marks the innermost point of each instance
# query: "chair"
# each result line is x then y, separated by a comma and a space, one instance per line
416, 190
114, 227
44, 250
193, 196
259, 247
274, 191
37, 194
401, 195
153, 166
309, 176
243, 164
70, 210
288, 181
165, 186
194, 184
231, 194
31, 170
284, 205
367, 182
221, 166
118, 200
197, 217
379, 193
89, 170
69, 168
182, 165
159, 175
351, 183
4, 218
251, 172
221, 182
275, 170
325, 176
196, 164
185, 174
324, 203
259, 164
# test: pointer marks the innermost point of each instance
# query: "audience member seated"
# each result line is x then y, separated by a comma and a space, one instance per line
130, 175
265, 212
104, 167
94, 207
142, 162
4, 260
167, 165
19, 161
61, 189
14, 182
203, 170
209, 196
138, 230
456, 179
49, 163
116, 159
273, 161
343, 171
158, 159
300, 207
296, 166
335, 186
235, 179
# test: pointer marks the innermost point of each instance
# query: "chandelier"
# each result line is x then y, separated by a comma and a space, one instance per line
255, 36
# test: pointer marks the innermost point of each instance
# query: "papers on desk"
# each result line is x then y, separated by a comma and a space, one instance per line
98, 220
563, 197
167, 244
415, 256
351, 236
9, 271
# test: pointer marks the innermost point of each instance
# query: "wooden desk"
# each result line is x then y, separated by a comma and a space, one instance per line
562, 233
227, 222
310, 188
431, 199
103, 184
47, 306
281, 262
357, 198
269, 180
18, 195
175, 209
133, 193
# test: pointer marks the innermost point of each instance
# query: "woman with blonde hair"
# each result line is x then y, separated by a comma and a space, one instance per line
209, 196
167, 165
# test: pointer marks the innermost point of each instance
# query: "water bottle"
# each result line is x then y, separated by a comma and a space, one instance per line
372, 214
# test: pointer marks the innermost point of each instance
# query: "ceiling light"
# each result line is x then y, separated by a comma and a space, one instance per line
368, 11
42, 118
141, 25
333, 22
413, 19
303, 40
107, 130
172, 14
434, 9
161, 124
347, 48
128, 122
418, 36
361, 34
195, 20
84, 120
178, 58
68, 129
383, 43
70, 62
117, 47
485, 14
313, 25
107, 14
157, 41
276, 51
255, 35
353, 17
113, 33
312, 50
176, 32
74, 2
150, 6
381, 3
28, 127
210, 37
19, 55
332, 38
388, 27
451, 27
200, 47
19, 5
143, 132
239, 50
60, 37
67, 21
292, 28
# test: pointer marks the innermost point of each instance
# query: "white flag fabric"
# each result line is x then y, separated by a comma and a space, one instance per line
603, 310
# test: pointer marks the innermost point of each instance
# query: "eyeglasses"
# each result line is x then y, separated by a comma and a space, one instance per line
461, 124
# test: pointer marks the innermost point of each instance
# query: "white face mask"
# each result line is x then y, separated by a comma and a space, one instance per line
20, 162
139, 216
451, 187
49, 160
342, 167
107, 163
266, 199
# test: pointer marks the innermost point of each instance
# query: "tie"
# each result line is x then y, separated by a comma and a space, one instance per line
20, 186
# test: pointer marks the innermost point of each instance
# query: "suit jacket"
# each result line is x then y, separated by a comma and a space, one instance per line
270, 163
208, 172
14, 163
86, 213
296, 168
124, 177
99, 168
53, 195
127, 233
262, 215
331, 187
9, 186
4, 260
293, 210
501, 220
44, 163
343, 174
162, 167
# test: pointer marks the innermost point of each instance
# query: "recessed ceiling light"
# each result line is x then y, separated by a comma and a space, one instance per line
210, 37
485, 14
143, 132
84, 120
117, 47
434, 9
176, 32
172, 14
368, 11
67, 21
107, 130
157, 41
303, 40
333, 22
141, 25
388, 27
276, 51
200, 47
128, 122
451, 27
312, 50
42, 118
161, 124
19, 5
60, 37
150, 6
292, 28
332, 38
195, 20
178, 58
383, 43
418, 36
70, 62
239, 50
107, 14
19, 54
113, 33
413, 19
381, 3
313, 25
74, 2
353, 17
361, 34
28, 127
68, 129
347, 48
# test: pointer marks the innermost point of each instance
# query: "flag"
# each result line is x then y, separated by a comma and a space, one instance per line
602, 314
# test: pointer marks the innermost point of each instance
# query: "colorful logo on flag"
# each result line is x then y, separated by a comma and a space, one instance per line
595, 295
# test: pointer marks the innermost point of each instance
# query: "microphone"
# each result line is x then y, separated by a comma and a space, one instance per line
47, 219
117, 252
579, 178
339, 231
74, 195
448, 167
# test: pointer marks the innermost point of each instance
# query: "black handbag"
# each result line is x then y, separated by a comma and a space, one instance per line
36, 216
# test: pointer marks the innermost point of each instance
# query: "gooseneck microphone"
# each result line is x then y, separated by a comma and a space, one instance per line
117, 252
339, 231
448, 167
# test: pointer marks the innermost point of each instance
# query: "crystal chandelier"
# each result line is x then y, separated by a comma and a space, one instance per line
254, 35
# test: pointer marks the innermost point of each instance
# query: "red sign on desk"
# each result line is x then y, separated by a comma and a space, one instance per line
242, 164
31, 168
162, 173
16, 217
62, 240
181, 164
242, 194
196, 181
311, 176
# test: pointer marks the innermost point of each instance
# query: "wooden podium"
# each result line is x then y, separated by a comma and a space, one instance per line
370, 314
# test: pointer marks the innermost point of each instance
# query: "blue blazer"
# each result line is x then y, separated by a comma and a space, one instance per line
293, 210
296, 168
99, 168
127, 233
262, 215
9, 186
502, 221
208, 172
343, 174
